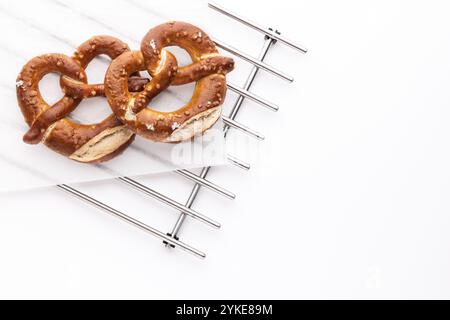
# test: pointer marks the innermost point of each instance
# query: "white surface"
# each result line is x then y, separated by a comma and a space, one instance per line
347, 198
58, 26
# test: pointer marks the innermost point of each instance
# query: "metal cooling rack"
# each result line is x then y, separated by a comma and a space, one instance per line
171, 239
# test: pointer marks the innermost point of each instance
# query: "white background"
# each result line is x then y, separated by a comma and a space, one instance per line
346, 198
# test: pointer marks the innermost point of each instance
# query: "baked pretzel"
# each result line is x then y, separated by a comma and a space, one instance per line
49, 124
208, 69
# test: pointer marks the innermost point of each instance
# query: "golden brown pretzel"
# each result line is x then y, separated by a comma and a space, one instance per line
207, 68
50, 125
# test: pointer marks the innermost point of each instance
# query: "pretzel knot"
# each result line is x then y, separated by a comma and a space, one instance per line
51, 125
208, 69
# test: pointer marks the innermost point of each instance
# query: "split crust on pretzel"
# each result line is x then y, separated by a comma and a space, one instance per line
208, 69
50, 125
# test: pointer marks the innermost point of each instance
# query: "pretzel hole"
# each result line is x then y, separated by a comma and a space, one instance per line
181, 54
96, 69
50, 89
91, 111
174, 97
